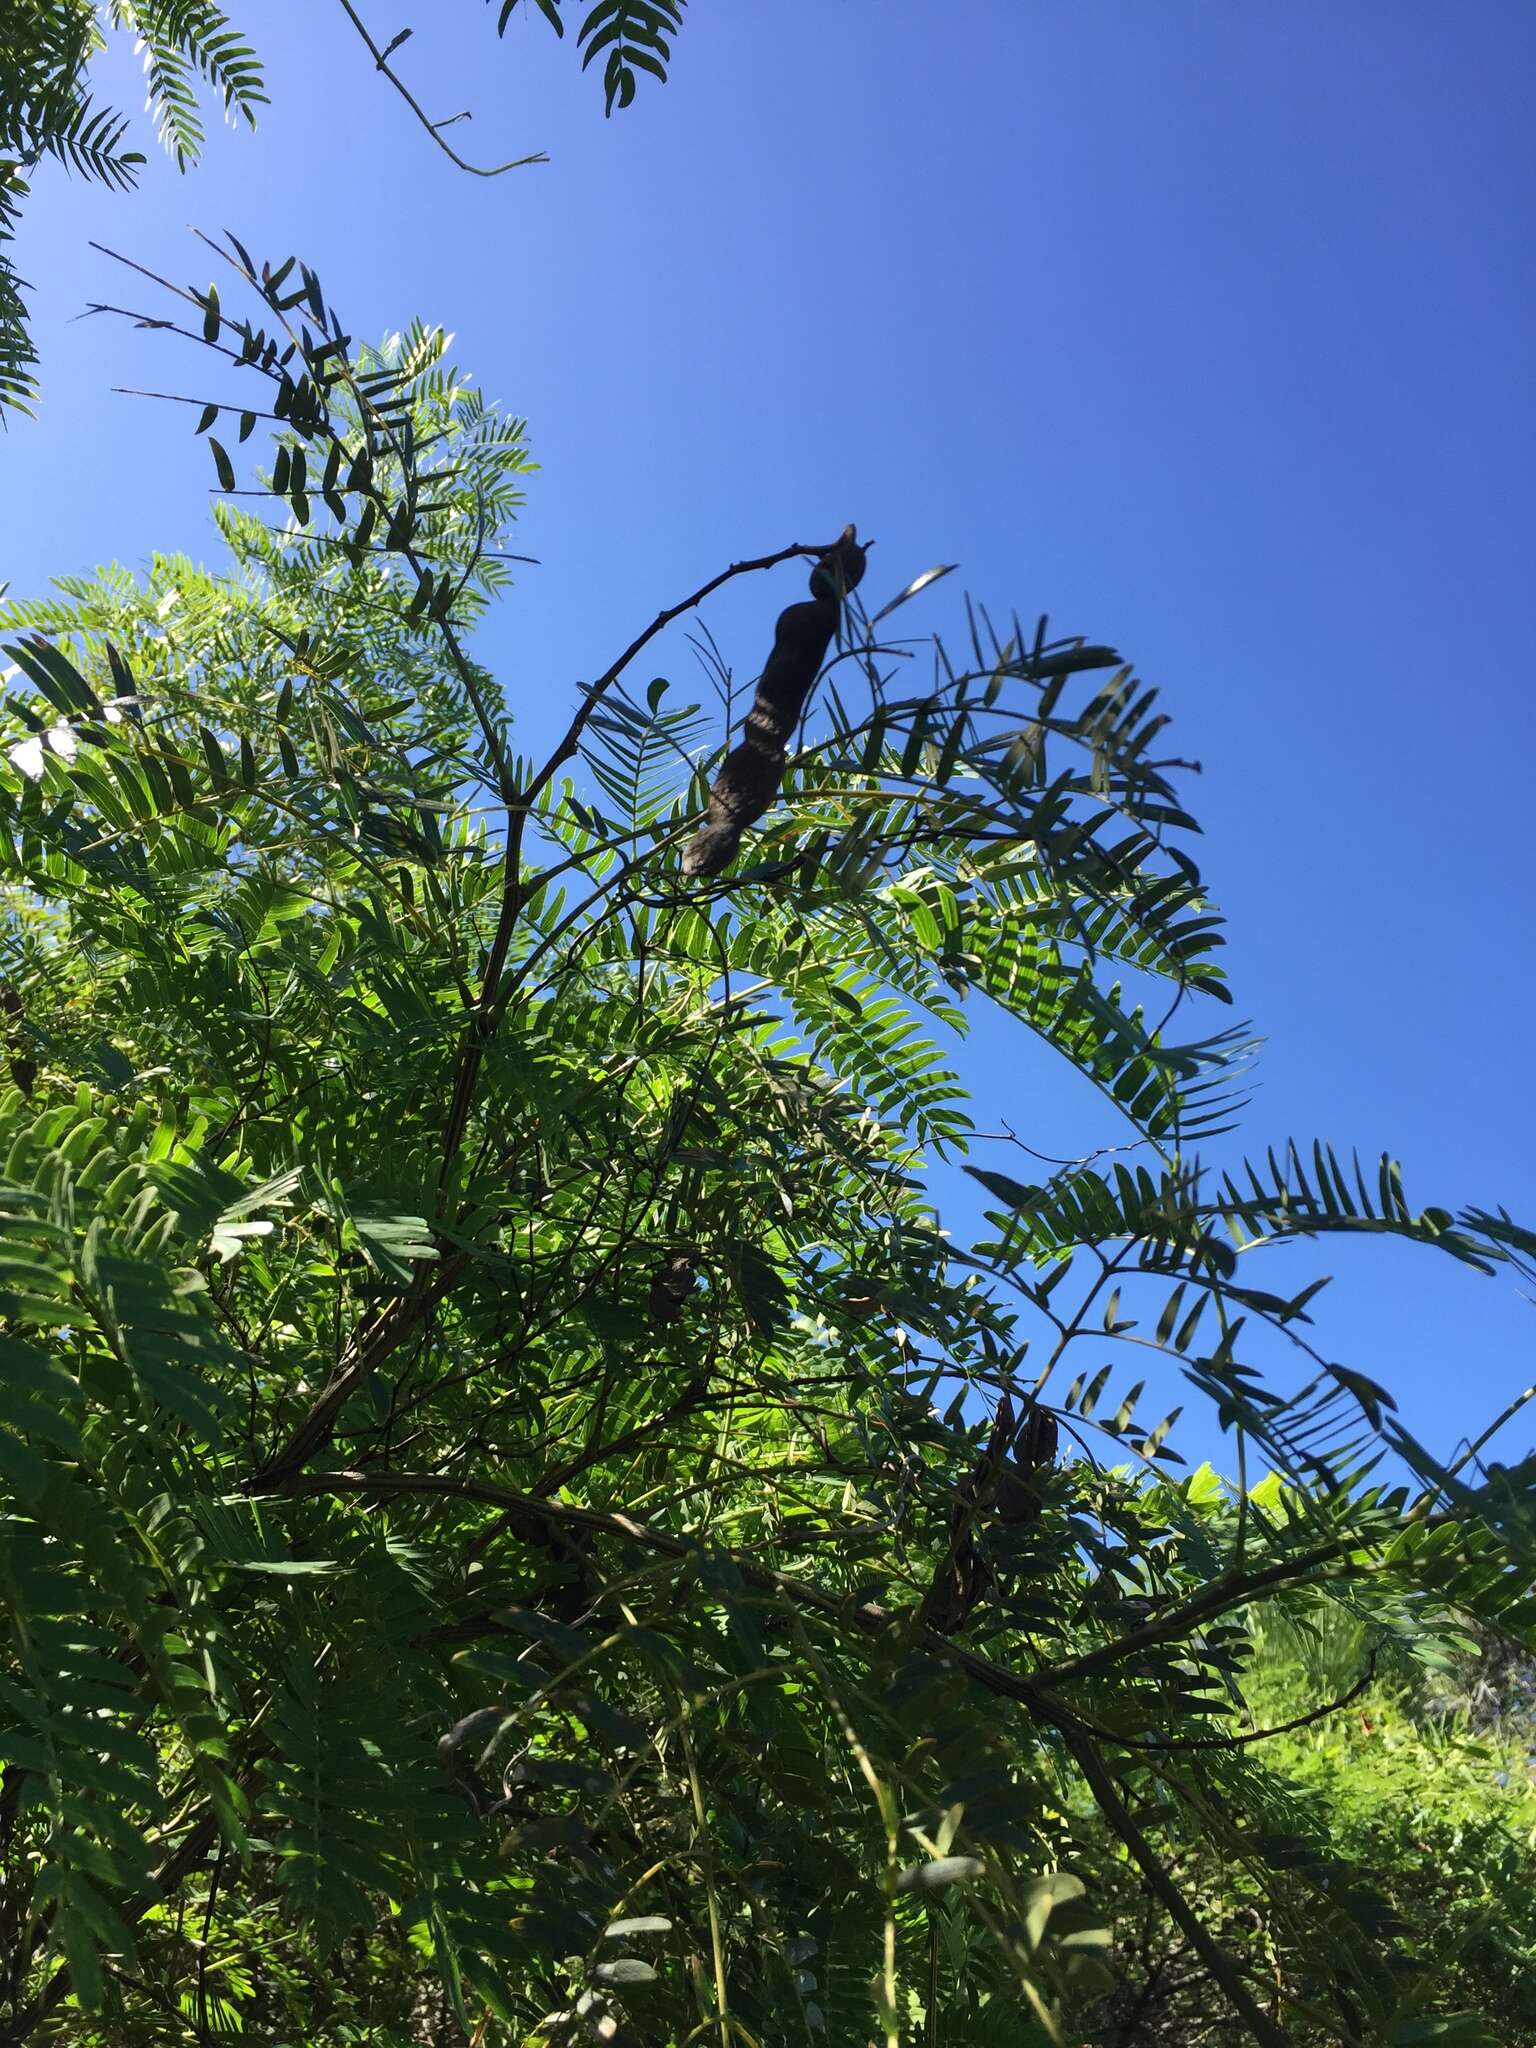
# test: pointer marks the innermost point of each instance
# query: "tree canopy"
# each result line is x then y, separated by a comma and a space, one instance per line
523, 1517
520, 1522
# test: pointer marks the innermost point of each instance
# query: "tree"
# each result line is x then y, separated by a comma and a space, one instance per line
46, 108
519, 1522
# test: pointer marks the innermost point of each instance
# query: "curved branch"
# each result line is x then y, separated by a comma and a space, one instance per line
1117, 1816
432, 127
1182, 1745
519, 803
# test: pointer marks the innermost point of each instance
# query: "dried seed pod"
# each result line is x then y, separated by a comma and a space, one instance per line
860, 1297
1035, 1439
1017, 1498
23, 1068
959, 1584
750, 774
673, 1282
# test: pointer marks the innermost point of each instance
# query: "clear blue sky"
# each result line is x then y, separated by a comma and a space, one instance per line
1206, 328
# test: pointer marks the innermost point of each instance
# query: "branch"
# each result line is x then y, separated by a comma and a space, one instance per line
610, 676
1221, 1966
1183, 1744
433, 128
1227, 1591
867, 1616
692, 1398
367, 1350
695, 1396
1035, 1691
519, 804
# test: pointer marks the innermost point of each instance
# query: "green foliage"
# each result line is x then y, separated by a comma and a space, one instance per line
1444, 1821
46, 110
629, 35
1422, 1805
514, 1521
182, 41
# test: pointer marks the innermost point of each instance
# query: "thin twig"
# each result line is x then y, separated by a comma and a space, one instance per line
433, 128
1180, 1744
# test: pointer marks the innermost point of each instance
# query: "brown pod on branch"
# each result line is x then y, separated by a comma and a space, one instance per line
23, 1068
860, 1298
671, 1285
750, 774
1017, 1499
959, 1585
1020, 1448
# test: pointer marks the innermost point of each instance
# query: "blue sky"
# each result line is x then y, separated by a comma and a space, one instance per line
1207, 329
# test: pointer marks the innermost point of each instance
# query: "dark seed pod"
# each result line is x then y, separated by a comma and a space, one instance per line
475, 1727
23, 1068
1017, 1499
860, 1298
1034, 1442
674, 1281
750, 774
1015, 1502
959, 1585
